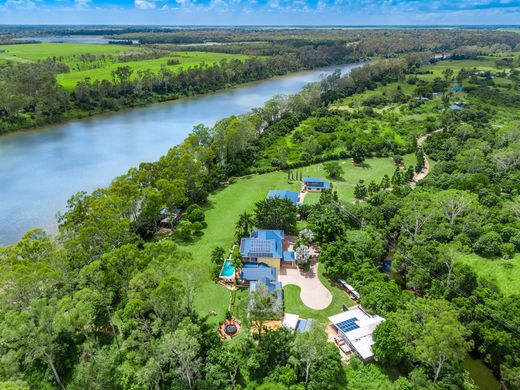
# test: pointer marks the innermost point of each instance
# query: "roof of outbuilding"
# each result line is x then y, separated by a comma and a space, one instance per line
283, 194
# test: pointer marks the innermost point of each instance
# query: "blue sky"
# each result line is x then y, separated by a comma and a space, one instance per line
264, 12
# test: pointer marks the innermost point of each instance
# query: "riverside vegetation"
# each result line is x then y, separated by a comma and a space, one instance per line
46, 83
111, 304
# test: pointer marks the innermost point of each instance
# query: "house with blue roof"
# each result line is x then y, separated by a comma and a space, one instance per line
283, 194
252, 272
315, 184
265, 246
273, 287
297, 324
456, 89
455, 107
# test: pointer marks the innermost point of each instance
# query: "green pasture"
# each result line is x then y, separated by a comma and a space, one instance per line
372, 169
186, 59
69, 52
504, 273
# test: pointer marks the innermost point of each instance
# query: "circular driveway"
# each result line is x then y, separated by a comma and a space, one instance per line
313, 293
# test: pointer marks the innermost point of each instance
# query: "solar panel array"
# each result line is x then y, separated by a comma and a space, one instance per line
261, 248
348, 325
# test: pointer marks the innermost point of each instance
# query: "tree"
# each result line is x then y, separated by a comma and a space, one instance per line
430, 335
309, 349
334, 169
447, 73
388, 348
306, 236
185, 348
243, 226
455, 204
194, 213
421, 159
303, 257
217, 257
360, 190
385, 182
276, 213
489, 244
261, 307
359, 153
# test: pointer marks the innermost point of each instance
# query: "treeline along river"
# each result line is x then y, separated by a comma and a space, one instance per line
40, 169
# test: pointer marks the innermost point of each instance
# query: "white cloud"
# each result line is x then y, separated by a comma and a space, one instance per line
20, 4
82, 3
144, 4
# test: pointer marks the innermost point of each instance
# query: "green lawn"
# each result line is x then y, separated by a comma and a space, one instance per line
68, 53
222, 214
374, 168
505, 273
293, 303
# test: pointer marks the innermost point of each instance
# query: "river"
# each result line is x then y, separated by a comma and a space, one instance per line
40, 169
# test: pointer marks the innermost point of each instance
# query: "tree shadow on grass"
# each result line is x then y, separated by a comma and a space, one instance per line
363, 165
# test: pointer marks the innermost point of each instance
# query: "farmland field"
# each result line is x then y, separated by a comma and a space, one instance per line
97, 61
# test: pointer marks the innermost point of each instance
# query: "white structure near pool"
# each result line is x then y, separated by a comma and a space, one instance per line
354, 328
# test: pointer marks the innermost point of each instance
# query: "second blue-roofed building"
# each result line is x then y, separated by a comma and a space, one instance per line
284, 194
315, 184
272, 287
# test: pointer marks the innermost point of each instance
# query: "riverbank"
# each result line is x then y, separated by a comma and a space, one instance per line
43, 168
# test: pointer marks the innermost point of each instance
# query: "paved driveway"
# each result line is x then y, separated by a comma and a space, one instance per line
313, 293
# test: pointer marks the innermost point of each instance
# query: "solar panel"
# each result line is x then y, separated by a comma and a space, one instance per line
348, 325
261, 248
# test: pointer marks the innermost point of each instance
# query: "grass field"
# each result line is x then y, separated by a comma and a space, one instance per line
373, 169
186, 59
69, 53
505, 273
222, 214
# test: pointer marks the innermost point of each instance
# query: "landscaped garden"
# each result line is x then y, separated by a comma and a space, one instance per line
224, 209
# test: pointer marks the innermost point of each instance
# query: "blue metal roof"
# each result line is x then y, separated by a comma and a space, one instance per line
288, 256
456, 89
303, 326
258, 273
313, 179
455, 107
283, 194
263, 243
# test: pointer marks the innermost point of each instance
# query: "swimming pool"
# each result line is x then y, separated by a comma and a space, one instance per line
228, 270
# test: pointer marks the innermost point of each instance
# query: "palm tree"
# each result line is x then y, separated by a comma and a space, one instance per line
243, 225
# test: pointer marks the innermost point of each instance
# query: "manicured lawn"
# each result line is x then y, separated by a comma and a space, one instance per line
221, 216
293, 303
373, 169
505, 273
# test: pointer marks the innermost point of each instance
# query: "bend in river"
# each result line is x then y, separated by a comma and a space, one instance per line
41, 169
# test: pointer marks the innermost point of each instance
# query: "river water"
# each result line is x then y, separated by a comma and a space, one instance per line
40, 169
